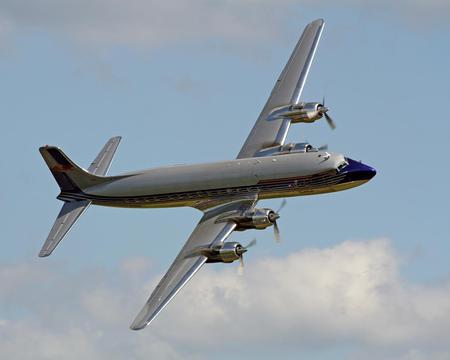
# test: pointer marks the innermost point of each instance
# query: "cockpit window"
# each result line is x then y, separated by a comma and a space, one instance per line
310, 148
342, 165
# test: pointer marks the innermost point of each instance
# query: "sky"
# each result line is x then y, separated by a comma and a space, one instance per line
360, 274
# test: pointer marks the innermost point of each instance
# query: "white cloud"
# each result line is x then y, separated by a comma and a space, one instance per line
146, 24
141, 23
352, 291
350, 294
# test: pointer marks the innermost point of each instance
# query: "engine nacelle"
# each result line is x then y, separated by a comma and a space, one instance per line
259, 219
304, 112
286, 149
253, 219
226, 253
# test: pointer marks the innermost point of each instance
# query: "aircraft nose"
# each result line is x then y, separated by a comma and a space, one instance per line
356, 170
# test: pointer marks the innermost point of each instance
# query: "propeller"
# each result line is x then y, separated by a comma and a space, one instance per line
241, 252
276, 232
283, 204
330, 121
273, 217
323, 147
323, 111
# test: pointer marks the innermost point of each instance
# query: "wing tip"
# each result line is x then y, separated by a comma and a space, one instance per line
318, 21
137, 327
139, 324
45, 251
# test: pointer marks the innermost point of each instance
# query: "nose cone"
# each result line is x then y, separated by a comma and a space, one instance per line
357, 171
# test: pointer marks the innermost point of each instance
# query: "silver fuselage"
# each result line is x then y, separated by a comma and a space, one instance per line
188, 185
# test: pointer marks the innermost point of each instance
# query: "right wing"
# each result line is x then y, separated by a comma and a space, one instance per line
208, 233
269, 131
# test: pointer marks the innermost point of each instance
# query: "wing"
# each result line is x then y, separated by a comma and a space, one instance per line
207, 233
268, 131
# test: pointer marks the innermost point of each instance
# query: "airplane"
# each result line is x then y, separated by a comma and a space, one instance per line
227, 191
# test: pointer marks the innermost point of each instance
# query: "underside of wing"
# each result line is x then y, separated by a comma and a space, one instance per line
272, 130
178, 275
208, 233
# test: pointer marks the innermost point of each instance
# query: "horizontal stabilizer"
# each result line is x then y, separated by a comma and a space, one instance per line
72, 179
102, 162
68, 215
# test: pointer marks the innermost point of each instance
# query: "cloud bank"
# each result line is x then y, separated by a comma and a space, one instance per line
348, 295
147, 24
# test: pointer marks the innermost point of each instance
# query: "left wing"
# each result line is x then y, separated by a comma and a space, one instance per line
270, 129
208, 233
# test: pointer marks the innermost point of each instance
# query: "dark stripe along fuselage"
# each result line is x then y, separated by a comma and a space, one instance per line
354, 174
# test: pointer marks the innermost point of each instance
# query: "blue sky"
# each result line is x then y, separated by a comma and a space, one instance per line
184, 83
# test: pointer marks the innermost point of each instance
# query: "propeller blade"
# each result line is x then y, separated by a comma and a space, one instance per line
330, 121
241, 265
276, 232
250, 244
323, 147
283, 204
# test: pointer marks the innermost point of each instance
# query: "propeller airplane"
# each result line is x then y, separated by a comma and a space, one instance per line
226, 192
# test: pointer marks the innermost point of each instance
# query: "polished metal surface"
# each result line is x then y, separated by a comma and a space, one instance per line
287, 91
102, 162
306, 113
71, 177
207, 234
67, 217
226, 253
226, 191
286, 149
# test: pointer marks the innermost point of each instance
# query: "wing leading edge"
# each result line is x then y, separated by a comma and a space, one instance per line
208, 233
269, 131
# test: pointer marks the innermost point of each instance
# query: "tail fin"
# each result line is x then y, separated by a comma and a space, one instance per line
71, 178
